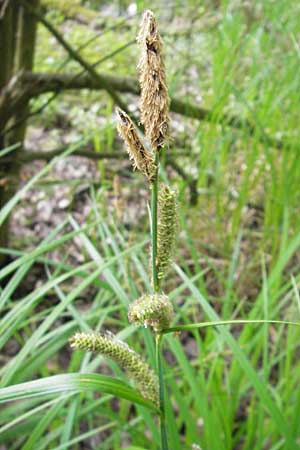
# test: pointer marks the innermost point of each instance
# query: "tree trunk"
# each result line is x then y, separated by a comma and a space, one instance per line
6, 58
17, 42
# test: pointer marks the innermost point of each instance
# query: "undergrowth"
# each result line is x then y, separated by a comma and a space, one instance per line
229, 387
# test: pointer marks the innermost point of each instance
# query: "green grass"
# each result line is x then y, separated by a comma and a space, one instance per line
228, 388
211, 387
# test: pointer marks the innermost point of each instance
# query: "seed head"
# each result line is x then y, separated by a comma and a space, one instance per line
142, 159
119, 351
155, 101
152, 310
167, 229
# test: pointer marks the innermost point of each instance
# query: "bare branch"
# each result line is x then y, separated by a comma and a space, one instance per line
28, 156
40, 83
74, 54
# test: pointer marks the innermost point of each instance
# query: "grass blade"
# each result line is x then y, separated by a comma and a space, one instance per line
73, 382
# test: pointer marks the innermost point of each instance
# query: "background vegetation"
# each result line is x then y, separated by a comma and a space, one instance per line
78, 244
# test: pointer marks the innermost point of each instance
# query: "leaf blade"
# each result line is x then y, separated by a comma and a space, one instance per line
73, 382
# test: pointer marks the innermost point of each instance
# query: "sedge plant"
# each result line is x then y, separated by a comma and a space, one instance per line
153, 309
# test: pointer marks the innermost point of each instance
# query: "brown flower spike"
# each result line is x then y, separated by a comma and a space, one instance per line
155, 101
142, 159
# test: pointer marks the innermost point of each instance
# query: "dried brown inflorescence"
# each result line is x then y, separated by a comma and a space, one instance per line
142, 159
155, 101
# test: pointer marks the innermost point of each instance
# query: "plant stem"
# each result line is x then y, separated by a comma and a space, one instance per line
154, 192
163, 431
154, 195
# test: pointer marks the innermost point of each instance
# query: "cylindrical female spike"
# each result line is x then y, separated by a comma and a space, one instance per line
129, 360
167, 229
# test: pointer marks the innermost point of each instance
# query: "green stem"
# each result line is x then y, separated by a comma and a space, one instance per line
154, 196
154, 192
163, 431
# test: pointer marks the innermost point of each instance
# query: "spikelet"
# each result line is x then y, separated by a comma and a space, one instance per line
152, 310
166, 229
155, 101
142, 159
110, 346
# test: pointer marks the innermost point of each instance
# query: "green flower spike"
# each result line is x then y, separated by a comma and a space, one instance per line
108, 345
152, 310
166, 229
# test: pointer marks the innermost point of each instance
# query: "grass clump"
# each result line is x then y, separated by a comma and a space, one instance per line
229, 386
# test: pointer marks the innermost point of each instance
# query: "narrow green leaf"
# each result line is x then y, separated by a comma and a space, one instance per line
216, 323
250, 372
73, 382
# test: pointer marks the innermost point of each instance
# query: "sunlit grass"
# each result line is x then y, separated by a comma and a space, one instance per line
229, 388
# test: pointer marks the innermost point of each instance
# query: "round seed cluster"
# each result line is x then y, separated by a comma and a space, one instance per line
154, 310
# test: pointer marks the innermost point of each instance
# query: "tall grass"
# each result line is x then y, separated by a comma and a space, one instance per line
228, 387
212, 387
